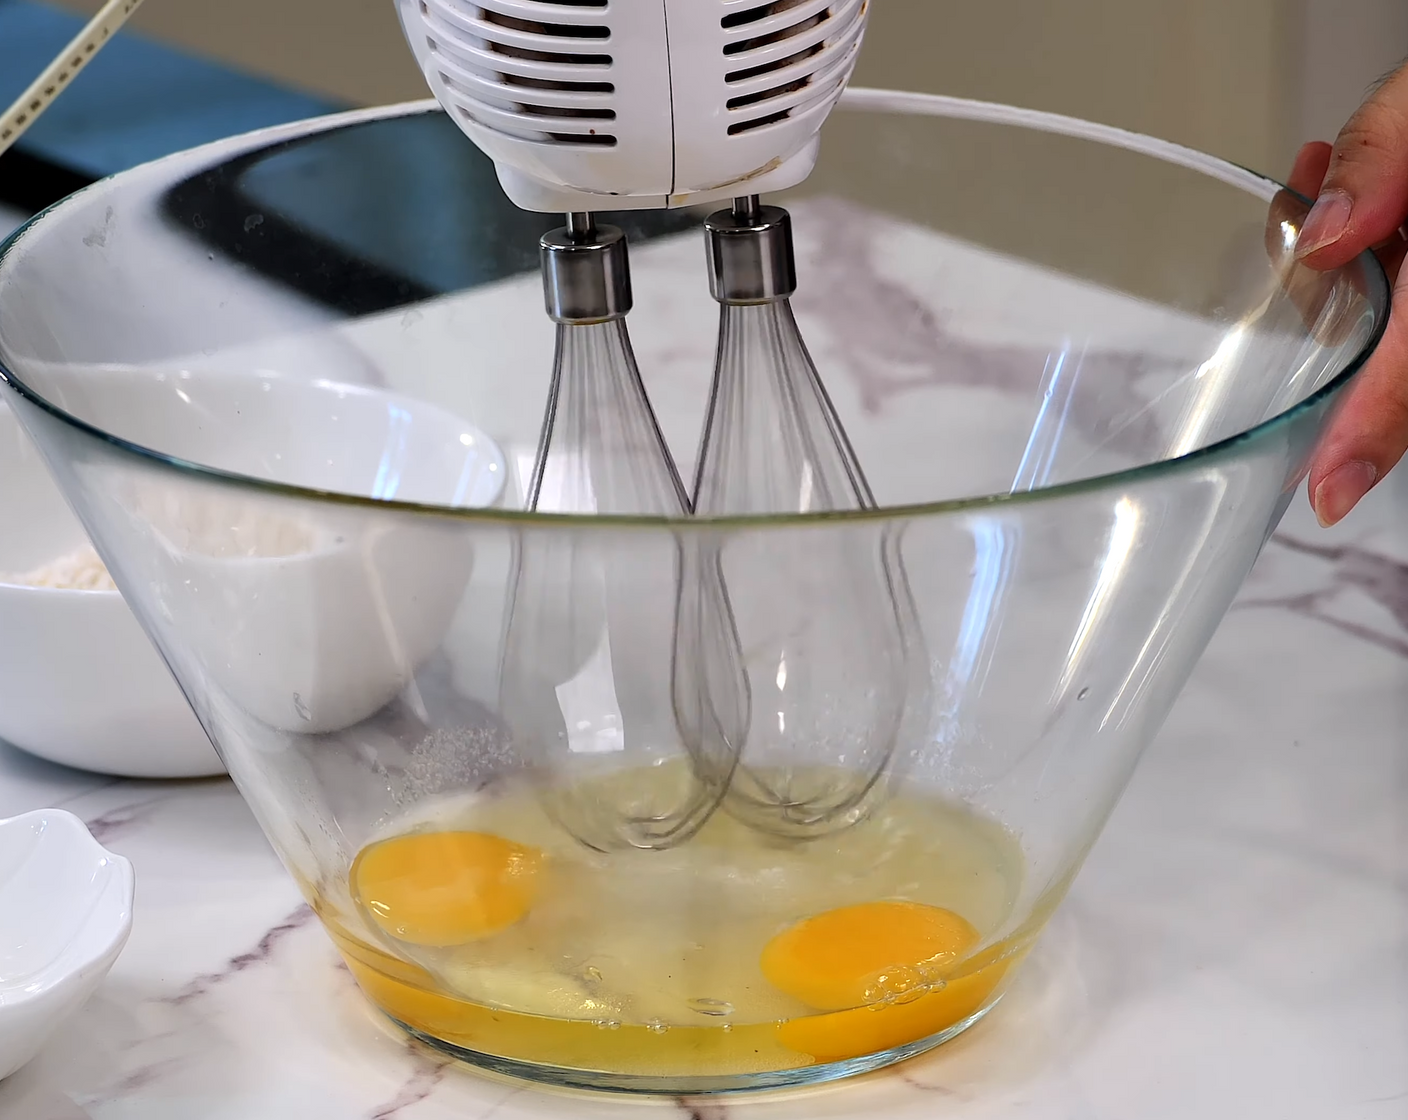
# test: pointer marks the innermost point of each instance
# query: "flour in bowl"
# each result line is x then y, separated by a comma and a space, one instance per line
79, 570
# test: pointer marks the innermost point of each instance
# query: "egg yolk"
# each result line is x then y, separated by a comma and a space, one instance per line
857, 955
870, 1030
445, 888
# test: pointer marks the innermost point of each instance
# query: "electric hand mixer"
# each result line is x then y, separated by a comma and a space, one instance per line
590, 105
593, 105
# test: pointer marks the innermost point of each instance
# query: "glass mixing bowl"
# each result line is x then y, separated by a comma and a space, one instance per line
292, 385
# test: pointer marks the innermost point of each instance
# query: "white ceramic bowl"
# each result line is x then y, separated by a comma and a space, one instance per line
80, 684
278, 605
65, 913
275, 608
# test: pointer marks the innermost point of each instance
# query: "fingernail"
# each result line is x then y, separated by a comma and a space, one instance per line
1325, 224
1340, 490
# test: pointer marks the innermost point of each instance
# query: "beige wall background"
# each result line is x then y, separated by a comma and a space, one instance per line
1245, 79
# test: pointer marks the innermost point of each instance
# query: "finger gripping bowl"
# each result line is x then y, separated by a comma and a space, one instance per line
293, 390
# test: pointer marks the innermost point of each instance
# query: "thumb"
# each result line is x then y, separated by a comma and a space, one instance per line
1364, 199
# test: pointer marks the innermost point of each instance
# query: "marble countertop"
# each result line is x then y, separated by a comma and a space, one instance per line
1237, 945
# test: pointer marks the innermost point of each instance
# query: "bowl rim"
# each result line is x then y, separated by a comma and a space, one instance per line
859, 98
8, 587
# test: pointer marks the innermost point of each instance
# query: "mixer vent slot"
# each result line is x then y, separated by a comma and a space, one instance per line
508, 50
763, 11
532, 27
773, 67
784, 57
756, 15
531, 70
767, 94
547, 83
590, 139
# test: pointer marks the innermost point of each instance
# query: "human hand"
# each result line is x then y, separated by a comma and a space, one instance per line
1361, 187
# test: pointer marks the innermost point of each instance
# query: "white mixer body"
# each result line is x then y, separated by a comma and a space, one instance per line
589, 105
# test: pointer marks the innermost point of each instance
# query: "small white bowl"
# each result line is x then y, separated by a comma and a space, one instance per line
65, 913
80, 684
